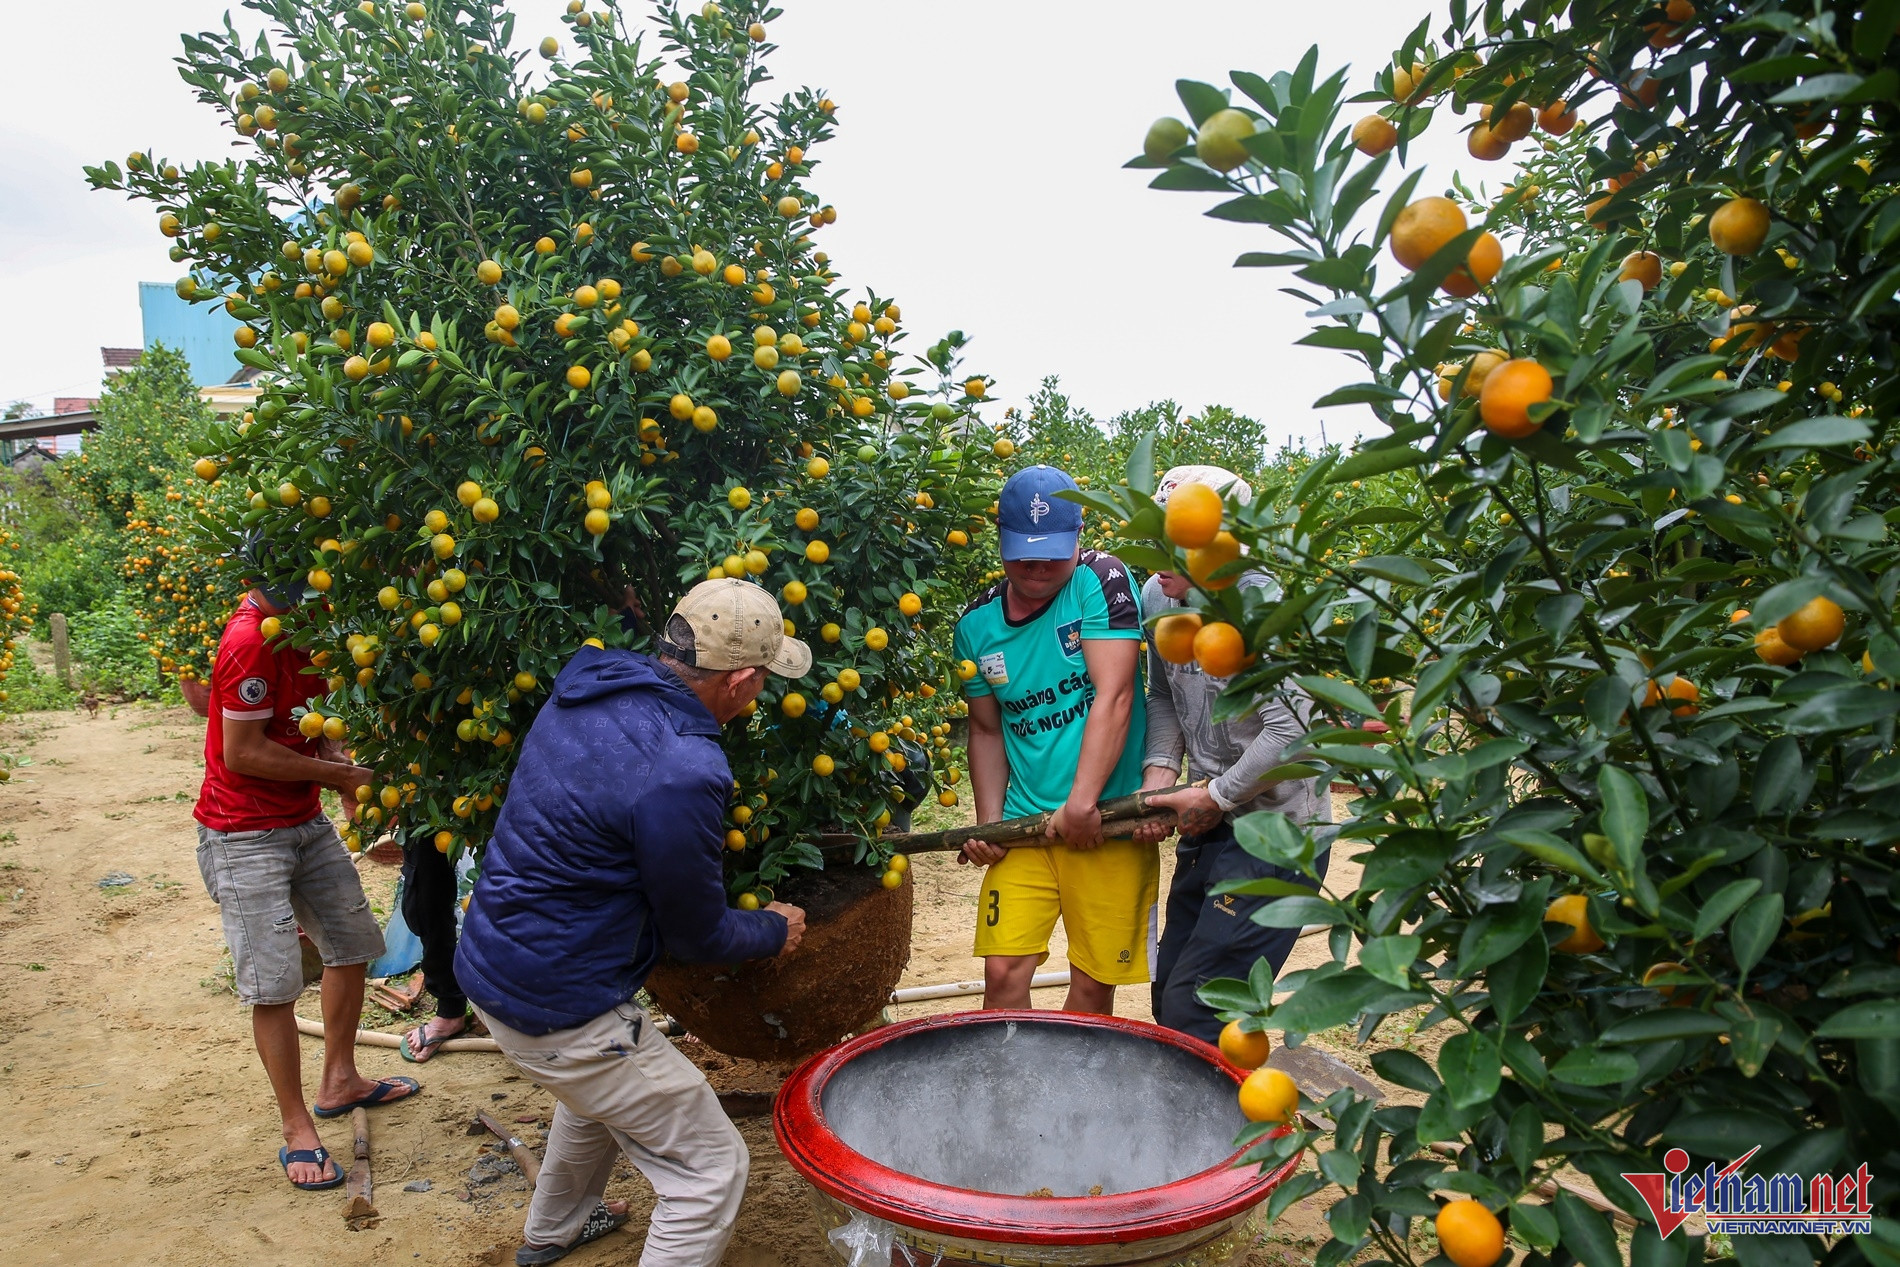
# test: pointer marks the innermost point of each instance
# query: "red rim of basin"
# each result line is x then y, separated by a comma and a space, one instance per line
836, 1169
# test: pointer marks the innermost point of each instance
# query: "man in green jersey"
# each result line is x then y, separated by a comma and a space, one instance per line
1057, 722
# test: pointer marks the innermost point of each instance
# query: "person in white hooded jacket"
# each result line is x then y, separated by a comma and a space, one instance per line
1206, 934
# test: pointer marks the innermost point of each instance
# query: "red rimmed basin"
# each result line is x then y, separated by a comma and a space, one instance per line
943, 1125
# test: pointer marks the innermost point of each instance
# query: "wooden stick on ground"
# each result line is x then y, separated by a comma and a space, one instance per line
523, 1155
359, 1191
1010, 833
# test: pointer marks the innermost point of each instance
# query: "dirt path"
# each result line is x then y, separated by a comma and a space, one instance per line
140, 1128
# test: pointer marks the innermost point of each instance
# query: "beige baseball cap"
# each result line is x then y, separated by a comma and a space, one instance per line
736, 625
1218, 478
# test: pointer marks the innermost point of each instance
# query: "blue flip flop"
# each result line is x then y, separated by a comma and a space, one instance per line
386, 1092
319, 1156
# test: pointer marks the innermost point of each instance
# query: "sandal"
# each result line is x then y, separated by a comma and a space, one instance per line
387, 1091
599, 1223
417, 1053
319, 1156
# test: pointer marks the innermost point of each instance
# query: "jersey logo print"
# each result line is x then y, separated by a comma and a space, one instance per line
253, 689
994, 668
1069, 638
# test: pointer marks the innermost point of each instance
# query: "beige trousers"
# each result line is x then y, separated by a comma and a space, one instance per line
621, 1087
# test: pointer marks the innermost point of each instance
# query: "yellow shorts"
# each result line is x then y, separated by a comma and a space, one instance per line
1105, 897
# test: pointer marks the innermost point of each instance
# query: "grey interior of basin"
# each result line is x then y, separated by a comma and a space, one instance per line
1019, 1107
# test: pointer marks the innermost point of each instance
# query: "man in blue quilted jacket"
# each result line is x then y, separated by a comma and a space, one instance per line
606, 855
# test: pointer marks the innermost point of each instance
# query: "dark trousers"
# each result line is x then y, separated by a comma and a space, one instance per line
1209, 935
428, 905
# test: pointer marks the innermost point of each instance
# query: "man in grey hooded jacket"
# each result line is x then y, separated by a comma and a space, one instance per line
1207, 934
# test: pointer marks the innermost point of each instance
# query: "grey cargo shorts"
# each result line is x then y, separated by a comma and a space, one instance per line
268, 882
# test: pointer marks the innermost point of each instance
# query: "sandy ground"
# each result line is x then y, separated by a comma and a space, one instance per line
139, 1126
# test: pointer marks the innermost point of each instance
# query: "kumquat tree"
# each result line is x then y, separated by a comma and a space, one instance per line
546, 340
182, 586
1629, 803
16, 610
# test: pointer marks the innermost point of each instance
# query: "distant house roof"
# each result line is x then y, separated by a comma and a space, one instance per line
120, 358
74, 404
32, 455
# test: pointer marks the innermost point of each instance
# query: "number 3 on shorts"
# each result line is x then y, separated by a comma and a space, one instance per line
996, 904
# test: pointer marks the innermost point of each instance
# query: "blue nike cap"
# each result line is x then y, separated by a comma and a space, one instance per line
1035, 522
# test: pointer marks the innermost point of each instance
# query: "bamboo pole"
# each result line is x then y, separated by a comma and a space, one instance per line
1010, 833
376, 1038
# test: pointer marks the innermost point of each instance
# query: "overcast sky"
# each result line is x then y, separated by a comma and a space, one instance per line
977, 175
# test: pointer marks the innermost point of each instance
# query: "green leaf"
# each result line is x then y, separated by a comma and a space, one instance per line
1753, 929
1515, 979
1393, 567
1274, 259
1203, 101
1726, 901
1375, 461
1817, 88
1726, 1134
1340, 1166
1499, 929
1407, 1069
1552, 851
1390, 958
1537, 1224
1359, 394
1662, 1024
1361, 640
1699, 367
1625, 814
1876, 1018
1263, 887
1141, 467
1841, 709
1229, 994
1406, 858
1469, 1064
1438, 677
1287, 614
1876, 27
1525, 1137
1816, 433
1296, 1189
1324, 1003
1272, 837
1750, 1042
1346, 339
1298, 912
1594, 1067
1191, 179
1342, 695
1586, 1233
1441, 1119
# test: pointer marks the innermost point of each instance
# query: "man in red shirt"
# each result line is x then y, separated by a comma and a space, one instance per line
272, 860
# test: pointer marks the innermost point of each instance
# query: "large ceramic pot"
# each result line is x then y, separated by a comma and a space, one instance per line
197, 694
1026, 1138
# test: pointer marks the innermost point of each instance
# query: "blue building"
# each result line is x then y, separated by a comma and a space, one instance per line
201, 331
